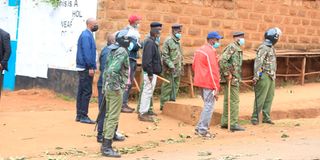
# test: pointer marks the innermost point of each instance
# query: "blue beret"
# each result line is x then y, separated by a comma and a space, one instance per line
214, 35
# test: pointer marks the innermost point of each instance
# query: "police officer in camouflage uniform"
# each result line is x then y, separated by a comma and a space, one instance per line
230, 70
172, 65
265, 66
115, 80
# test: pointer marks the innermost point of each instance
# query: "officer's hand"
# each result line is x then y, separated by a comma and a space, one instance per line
254, 82
91, 72
229, 77
1, 68
216, 97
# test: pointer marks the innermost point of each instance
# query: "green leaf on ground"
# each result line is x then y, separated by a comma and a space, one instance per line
284, 135
204, 153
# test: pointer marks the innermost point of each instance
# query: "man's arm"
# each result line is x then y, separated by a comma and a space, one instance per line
7, 51
147, 58
166, 54
258, 62
225, 65
86, 47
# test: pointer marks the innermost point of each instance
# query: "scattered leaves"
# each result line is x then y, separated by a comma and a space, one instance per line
137, 148
284, 135
204, 153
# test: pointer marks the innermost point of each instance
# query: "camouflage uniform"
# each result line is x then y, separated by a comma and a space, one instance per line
115, 79
231, 62
172, 58
265, 66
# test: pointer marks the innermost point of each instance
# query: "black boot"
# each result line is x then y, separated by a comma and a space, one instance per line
106, 149
99, 138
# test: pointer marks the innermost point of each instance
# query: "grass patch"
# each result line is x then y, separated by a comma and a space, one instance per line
65, 98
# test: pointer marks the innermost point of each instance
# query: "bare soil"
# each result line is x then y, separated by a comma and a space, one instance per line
38, 124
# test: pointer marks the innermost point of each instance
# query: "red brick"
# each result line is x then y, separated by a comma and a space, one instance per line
243, 15
268, 18
227, 24
315, 23
277, 19
170, 19
250, 26
117, 15
218, 14
228, 5
194, 31
311, 32
305, 22
201, 21
153, 17
244, 5
215, 23
256, 36
293, 12
191, 11
301, 47
150, 7
230, 15
255, 16
284, 11
198, 42
117, 5
206, 12
296, 21
302, 13
260, 8
315, 40
187, 42
301, 30
263, 27
304, 39
133, 5
185, 20
289, 30
176, 9
286, 20
312, 14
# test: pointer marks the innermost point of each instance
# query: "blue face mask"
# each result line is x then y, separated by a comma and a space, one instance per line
130, 47
241, 41
216, 45
178, 35
158, 40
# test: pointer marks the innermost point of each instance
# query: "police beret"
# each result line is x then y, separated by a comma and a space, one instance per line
155, 24
214, 35
237, 34
176, 26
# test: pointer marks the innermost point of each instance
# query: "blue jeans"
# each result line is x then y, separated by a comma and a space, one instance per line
205, 118
103, 111
84, 93
133, 68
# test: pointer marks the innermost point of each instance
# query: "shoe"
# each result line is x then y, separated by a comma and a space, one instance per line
78, 117
99, 138
107, 150
145, 117
151, 113
254, 122
87, 120
205, 134
236, 128
118, 137
268, 122
126, 109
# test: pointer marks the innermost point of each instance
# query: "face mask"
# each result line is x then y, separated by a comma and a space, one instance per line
130, 46
241, 41
136, 26
158, 40
95, 28
216, 45
178, 35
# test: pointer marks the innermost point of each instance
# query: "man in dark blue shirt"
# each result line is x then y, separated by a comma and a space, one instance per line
86, 65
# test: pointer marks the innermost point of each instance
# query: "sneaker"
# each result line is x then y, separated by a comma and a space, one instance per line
145, 117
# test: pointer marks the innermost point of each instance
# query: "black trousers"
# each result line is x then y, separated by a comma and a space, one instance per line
84, 93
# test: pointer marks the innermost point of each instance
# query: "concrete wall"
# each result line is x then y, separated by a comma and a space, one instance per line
298, 19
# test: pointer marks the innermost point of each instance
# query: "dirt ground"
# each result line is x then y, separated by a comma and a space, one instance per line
38, 124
